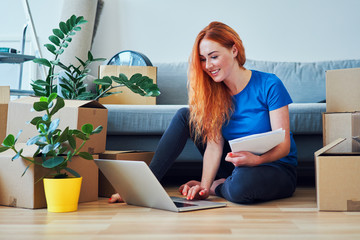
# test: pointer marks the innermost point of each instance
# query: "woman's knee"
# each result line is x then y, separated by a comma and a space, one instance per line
239, 193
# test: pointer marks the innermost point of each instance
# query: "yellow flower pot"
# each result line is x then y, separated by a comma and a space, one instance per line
62, 194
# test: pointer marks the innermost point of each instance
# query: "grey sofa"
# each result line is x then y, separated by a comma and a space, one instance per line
132, 127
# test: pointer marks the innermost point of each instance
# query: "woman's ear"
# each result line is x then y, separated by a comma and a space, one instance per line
234, 51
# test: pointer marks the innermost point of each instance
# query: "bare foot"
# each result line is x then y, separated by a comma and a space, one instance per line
115, 198
215, 184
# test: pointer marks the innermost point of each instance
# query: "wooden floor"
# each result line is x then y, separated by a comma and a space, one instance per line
292, 218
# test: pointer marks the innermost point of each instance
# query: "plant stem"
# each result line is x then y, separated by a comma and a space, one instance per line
106, 90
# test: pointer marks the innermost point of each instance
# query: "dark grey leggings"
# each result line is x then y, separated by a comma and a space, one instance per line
243, 184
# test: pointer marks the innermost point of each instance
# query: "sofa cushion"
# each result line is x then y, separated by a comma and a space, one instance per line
139, 119
172, 82
305, 118
305, 81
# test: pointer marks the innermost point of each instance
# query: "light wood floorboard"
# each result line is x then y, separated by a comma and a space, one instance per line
292, 218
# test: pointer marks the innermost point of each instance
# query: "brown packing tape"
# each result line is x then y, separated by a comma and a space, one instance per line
127, 96
353, 206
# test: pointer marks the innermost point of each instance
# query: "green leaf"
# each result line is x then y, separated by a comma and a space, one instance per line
81, 61
135, 78
64, 67
78, 29
64, 45
28, 166
73, 172
40, 106
98, 59
59, 51
55, 40
90, 56
97, 130
72, 142
63, 28
73, 20
82, 22
63, 136
54, 125
3, 149
43, 99
42, 61
87, 128
68, 39
86, 155
50, 47
9, 141
48, 148
79, 19
53, 162
105, 81
35, 120
60, 103
82, 136
33, 140
52, 97
58, 33
17, 155
42, 127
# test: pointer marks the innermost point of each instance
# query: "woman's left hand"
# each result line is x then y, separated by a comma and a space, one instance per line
243, 159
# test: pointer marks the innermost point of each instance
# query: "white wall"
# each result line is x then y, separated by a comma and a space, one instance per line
164, 30
281, 30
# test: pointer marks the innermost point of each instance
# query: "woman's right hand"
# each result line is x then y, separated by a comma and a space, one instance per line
115, 198
193, 190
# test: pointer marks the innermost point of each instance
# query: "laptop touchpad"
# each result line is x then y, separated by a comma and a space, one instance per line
182, 204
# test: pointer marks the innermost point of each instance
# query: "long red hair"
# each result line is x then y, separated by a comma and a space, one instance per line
210, 102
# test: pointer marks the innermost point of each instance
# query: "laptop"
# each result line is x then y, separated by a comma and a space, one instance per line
138, 186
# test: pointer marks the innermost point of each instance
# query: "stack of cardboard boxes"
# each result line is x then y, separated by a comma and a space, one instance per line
18, 191
338, 162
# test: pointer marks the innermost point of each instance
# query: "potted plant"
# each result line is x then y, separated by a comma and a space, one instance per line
55, 150
72, 79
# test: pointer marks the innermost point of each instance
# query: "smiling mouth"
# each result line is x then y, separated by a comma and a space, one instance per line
214, 72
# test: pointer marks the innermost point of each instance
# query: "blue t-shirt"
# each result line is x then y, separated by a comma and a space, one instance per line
263, 93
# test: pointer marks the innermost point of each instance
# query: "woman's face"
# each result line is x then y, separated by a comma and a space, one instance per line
216, 60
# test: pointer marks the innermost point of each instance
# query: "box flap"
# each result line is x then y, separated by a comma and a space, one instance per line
329, 146
4, 94
83, 103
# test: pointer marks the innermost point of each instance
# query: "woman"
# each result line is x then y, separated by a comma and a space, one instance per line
227, 101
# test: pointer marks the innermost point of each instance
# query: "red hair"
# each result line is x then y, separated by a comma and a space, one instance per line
210, 102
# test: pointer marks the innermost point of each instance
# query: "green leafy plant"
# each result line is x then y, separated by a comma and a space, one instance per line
73, 84
139, 84
55, 148
60, 40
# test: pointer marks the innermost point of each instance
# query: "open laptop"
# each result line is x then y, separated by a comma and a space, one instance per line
137, 185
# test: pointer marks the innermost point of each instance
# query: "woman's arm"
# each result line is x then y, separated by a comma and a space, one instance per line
279, 118
211, 163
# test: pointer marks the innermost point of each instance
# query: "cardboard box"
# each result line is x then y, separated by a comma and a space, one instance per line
337, 179
17, 191
127, 96
75, 114
342, 90
4, 100
105, 187
342, 125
